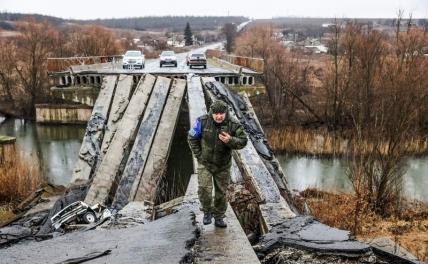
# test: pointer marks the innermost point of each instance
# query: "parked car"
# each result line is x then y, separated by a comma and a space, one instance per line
167, 57
77, 211
197, 59
133, 59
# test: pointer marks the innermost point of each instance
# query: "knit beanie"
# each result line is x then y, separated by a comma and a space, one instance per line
218, 106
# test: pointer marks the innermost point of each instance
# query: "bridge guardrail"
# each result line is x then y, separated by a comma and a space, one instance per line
256, 64
63, 64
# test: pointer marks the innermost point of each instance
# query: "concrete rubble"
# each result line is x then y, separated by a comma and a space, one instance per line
150, 238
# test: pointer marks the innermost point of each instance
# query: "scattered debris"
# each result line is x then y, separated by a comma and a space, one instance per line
291, 255
89, 256
11, 234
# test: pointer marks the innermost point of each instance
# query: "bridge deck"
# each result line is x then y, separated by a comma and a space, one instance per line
152, 67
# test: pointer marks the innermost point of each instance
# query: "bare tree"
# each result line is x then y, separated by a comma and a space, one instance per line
229, 30
391, 92
93, 41
35, 44
8, 79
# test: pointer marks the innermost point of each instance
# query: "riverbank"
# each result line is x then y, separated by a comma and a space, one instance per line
18, 178
408, 226
295, 140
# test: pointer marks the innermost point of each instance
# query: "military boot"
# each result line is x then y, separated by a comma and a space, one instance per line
207, 218
220, 223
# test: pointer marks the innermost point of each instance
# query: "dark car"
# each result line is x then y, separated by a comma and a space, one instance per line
197, 59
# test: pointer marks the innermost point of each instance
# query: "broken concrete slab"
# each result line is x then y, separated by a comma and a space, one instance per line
139, 244
385, 246
109, 168
235, 174
133, 214
254, 170
118, 107
139, 153
305, 232
91, 145
45, 205
272, 164
145, 187
14, 231
196, 103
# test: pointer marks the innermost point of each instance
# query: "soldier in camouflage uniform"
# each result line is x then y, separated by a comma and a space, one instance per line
211, 140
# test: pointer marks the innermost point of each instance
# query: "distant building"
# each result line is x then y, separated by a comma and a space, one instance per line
327, 25
317, 48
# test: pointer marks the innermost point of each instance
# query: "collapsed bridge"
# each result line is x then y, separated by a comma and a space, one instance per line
125, 156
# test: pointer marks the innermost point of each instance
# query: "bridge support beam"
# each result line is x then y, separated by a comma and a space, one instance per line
141, 148
106, 174
120, 102
145, 187
90, 149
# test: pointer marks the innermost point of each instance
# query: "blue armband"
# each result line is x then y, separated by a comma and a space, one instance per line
196, 131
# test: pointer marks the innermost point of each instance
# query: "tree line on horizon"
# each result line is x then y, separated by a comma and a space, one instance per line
174, 23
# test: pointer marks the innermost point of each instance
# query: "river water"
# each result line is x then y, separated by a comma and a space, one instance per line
54, 149
330, 175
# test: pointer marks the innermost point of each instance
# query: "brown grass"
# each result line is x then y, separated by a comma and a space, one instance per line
18, 177
6, 213
409, 227
318, 142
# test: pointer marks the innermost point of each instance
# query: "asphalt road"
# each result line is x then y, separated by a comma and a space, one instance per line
152, 65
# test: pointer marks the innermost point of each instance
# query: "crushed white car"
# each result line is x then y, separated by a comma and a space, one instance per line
77, 211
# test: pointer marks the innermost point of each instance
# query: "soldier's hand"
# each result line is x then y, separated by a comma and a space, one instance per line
225, 137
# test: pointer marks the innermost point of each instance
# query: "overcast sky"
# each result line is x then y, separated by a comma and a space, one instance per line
91, 9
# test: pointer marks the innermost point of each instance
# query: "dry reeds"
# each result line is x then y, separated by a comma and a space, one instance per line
299, 141
18, 177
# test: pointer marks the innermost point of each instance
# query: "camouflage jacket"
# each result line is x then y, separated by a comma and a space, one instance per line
208, 148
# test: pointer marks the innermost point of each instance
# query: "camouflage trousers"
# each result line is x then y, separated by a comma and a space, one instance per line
217, 205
